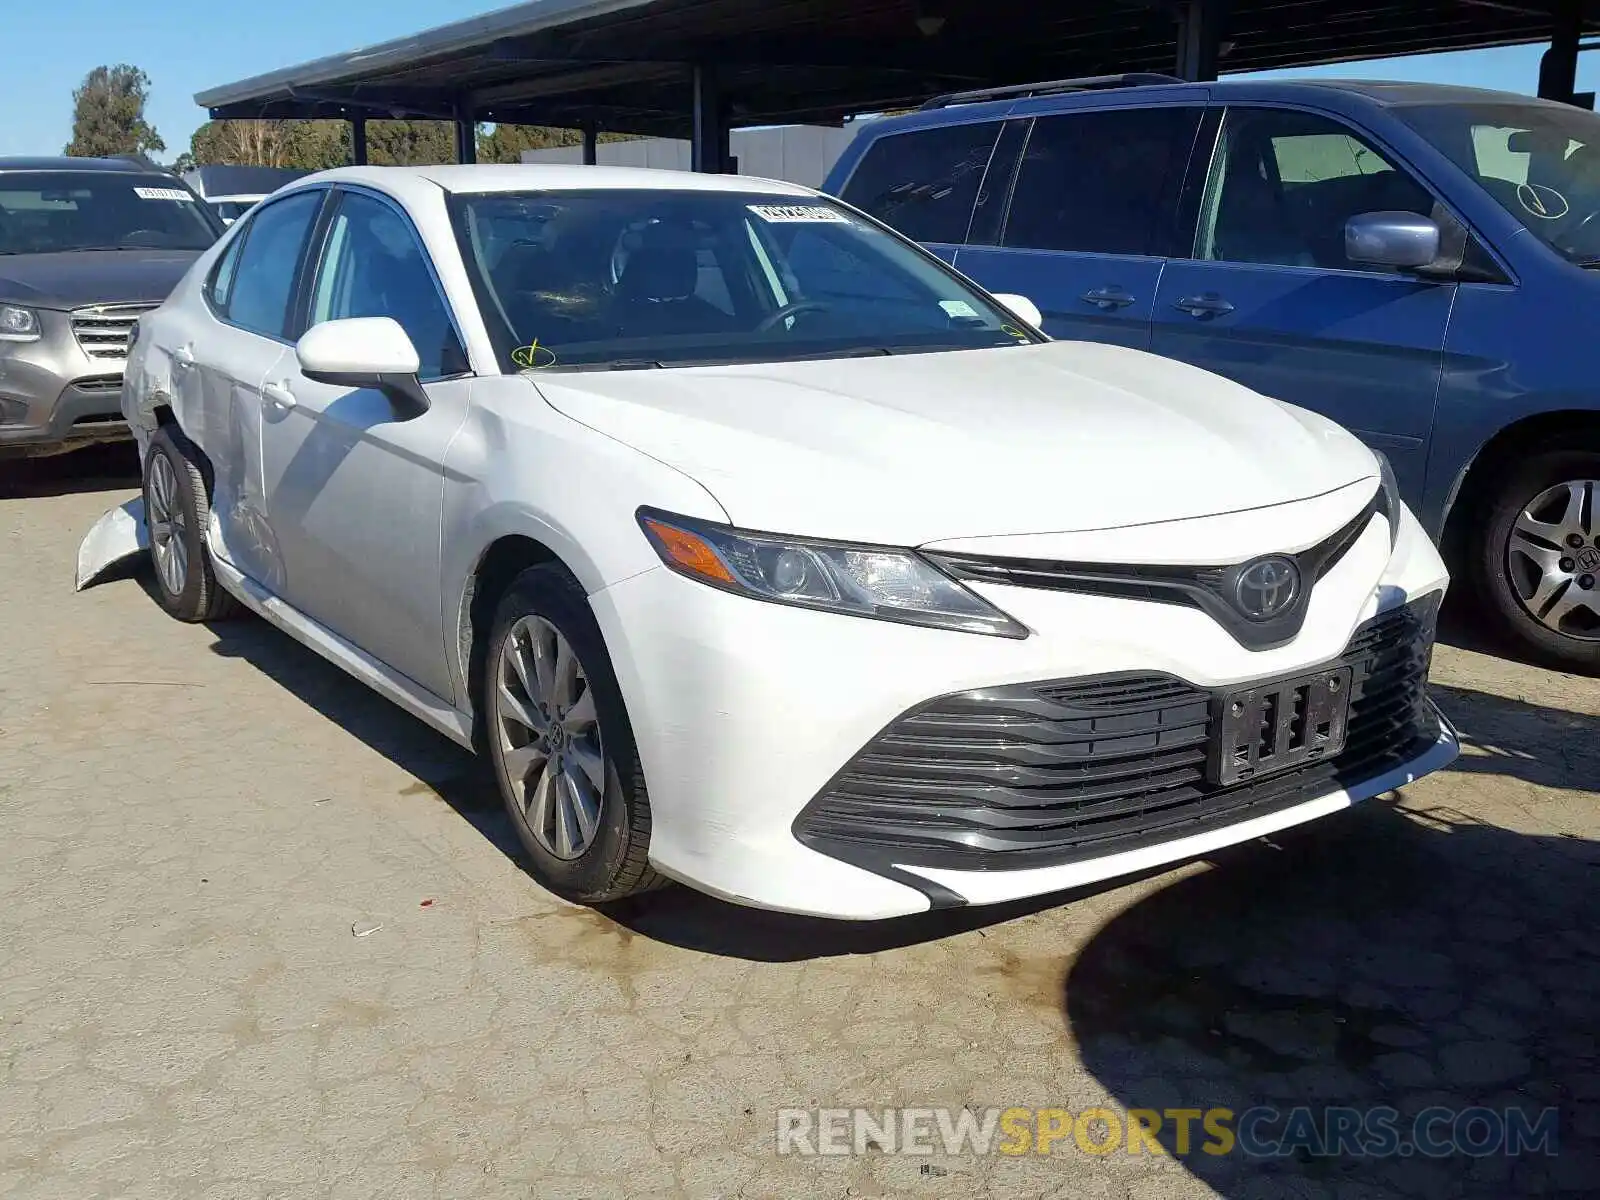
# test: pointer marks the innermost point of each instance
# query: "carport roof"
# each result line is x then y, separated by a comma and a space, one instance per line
625, 64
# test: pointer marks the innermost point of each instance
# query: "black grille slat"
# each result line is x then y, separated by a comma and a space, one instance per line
1038, 774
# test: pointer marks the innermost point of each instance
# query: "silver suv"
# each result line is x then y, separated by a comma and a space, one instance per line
86, 246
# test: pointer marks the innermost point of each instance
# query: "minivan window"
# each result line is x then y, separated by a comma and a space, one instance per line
924, 183
1540, 162
274, 239
61, 212
1283, 185
1099, 181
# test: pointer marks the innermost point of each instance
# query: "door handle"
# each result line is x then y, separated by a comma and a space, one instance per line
1208, 305
278, 396
1108, 298
183, 358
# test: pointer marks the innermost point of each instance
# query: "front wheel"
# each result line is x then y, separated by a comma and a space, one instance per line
177, 508
1538, 562
562, 745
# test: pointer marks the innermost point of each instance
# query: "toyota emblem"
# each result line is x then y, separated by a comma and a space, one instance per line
1266, 588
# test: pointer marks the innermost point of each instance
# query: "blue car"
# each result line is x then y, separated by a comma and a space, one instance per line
1420, 263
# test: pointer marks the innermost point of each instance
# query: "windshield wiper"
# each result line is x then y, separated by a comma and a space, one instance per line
615, 364
1588, 264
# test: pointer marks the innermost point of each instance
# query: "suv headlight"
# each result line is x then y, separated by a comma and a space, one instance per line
18, 324
880, 582
1390, 500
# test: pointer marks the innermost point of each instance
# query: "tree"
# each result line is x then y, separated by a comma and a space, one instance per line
505, 143
307, 145
108, 114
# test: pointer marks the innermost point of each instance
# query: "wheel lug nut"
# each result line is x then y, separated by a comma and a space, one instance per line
1574, 540
1586, 582
1568, 564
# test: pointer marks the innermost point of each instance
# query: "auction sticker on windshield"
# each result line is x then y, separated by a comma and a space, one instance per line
777, 214
145, 193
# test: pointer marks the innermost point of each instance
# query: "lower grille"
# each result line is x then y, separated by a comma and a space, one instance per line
102, 330
1041, 774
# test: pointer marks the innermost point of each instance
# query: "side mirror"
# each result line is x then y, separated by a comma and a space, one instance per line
1392, 239
1021, 306
365, 352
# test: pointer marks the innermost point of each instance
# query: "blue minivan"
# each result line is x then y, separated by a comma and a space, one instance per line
1420, 263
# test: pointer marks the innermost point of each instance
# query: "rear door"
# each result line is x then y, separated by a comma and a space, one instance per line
355, 497
925, 182
1090, 219
1269, 299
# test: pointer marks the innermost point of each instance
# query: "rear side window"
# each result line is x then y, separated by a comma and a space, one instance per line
924, 183
262, 281
1100, 181
220, 286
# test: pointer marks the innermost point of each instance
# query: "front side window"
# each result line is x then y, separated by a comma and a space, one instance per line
924, 183
273, 243
373, 266
1100, 181
59, 212
658, 278
1540, 162
1283, 185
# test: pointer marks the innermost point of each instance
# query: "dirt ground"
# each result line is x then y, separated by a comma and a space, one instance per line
196, 823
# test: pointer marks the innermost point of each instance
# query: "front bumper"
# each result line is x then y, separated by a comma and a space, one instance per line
55, 396
748, 716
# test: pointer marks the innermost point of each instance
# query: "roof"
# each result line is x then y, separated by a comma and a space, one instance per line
64, 163
538, 177
625, 64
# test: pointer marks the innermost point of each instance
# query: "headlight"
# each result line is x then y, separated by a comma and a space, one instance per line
864, 581
1392, 506
18, 324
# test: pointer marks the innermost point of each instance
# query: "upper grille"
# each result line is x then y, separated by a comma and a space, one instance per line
102, 329
1040, 774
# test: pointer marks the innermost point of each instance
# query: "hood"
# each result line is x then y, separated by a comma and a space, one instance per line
910, 449
74, 279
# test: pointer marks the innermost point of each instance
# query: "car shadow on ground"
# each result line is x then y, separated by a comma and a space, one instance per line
92, 469
1386, 957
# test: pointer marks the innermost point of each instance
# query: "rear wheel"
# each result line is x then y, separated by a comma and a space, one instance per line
1538, 563
177, 509
561, 743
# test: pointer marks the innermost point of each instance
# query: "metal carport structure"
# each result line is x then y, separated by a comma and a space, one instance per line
700, 67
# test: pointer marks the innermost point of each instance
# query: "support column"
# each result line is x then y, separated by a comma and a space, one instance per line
358, 141
709, 153
1558, 69
1199, 39
466, 135
591, 145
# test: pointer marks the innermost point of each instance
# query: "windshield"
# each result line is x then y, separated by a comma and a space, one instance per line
1541, 163
52, 212
657, 278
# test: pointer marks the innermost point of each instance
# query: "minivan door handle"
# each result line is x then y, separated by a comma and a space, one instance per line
278, 396
1108, 298
1208, 305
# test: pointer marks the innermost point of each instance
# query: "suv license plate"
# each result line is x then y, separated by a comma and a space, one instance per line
1278, 726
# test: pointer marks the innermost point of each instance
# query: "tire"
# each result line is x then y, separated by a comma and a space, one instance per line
177, 508
548, 775
1519, 576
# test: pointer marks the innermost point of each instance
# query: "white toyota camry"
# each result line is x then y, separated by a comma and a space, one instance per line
759, 550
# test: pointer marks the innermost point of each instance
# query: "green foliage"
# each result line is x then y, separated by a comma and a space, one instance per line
108, 114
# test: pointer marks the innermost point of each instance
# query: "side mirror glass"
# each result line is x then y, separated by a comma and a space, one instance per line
1021, 306
1392, 239
365, 352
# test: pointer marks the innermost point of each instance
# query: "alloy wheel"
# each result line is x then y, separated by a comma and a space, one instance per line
168, 526
549, 737
1553, 559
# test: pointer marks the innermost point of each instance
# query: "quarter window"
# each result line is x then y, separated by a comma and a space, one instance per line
1100, 182
373, 266
924, 183
1284, 184
220, 285
260, 286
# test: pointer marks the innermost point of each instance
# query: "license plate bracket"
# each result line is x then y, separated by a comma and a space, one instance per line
1278, 726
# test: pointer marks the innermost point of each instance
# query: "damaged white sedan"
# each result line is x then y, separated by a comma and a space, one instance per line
759, 550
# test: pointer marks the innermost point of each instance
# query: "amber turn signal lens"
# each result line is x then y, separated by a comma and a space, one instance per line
689, 552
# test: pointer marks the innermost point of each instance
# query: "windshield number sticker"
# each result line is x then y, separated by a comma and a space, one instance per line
778, 214
958, 310
147, 193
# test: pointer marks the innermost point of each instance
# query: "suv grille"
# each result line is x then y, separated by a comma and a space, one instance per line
102, 329
1041, 774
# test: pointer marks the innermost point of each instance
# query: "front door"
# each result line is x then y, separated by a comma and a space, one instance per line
1269, 298
1090, 218
354, 496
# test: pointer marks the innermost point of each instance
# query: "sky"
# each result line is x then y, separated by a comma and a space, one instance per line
186, 46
